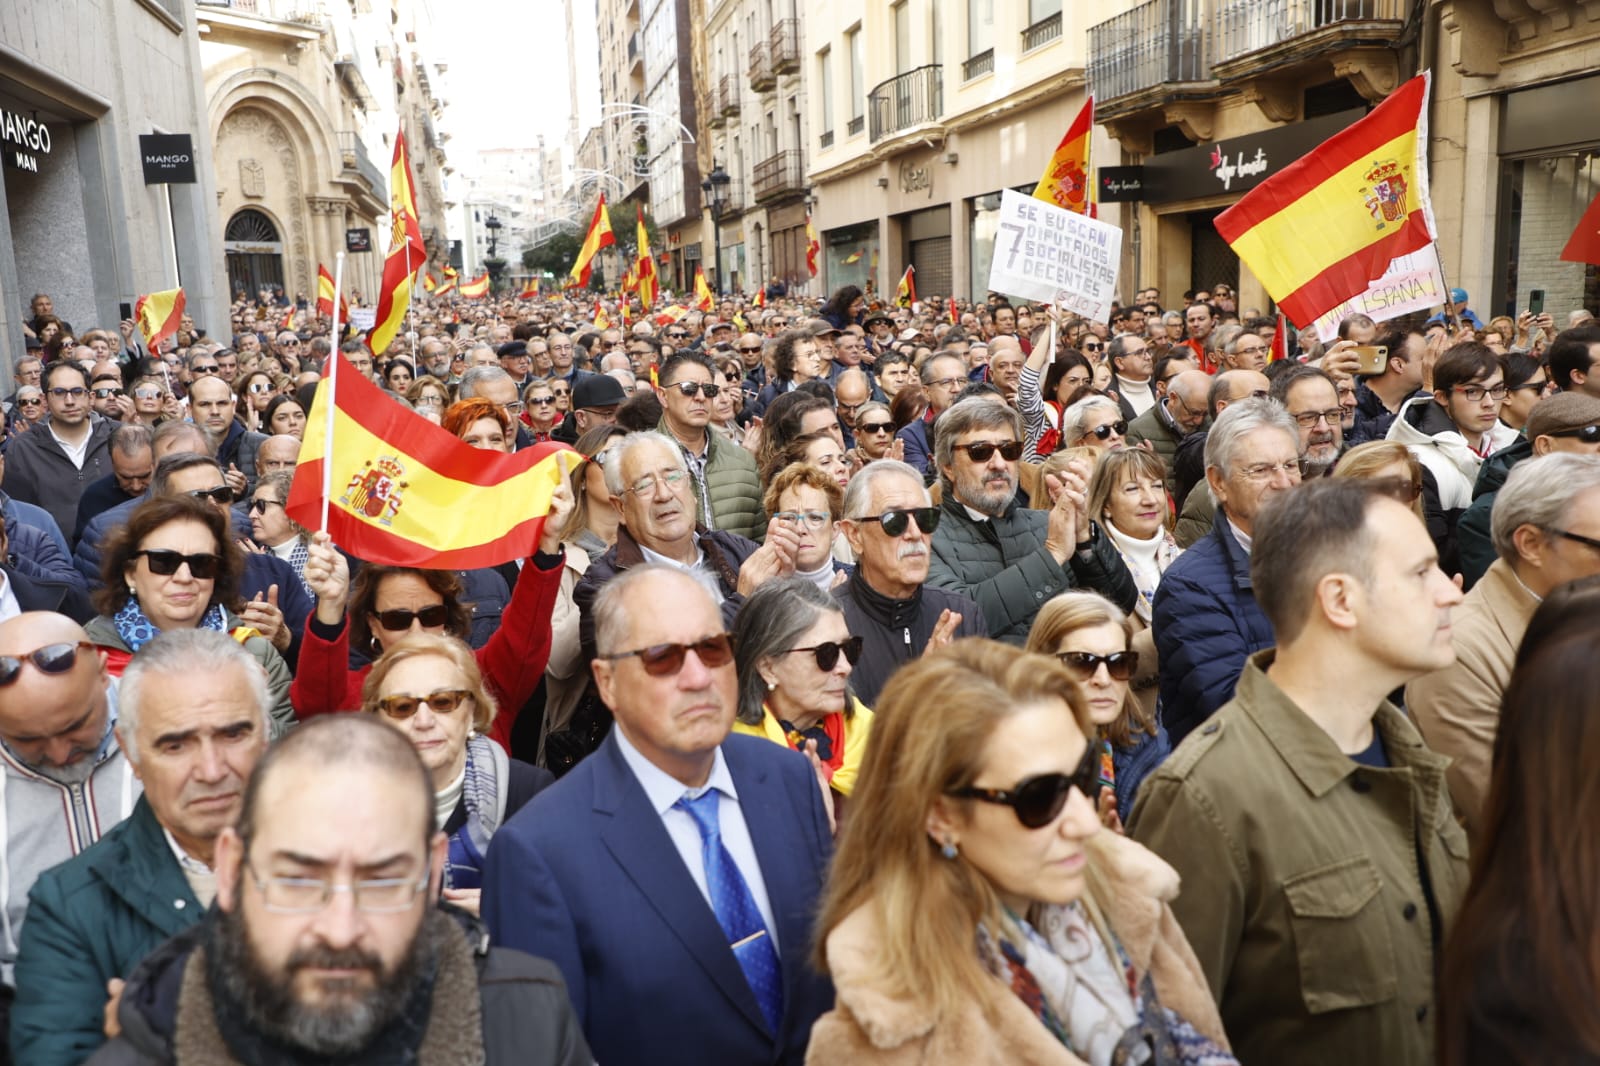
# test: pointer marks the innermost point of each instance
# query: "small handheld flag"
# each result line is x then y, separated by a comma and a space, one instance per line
158, 315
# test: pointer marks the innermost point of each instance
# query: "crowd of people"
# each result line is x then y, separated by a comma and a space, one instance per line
950, 683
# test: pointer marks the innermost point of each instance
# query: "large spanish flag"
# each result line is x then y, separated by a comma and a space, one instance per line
158, 314
644, 268
325, 289
407, 252
598, 237
476, 288
1066, 177
407, 493
1324, 228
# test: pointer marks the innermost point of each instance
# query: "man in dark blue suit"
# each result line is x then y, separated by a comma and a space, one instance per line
673, 874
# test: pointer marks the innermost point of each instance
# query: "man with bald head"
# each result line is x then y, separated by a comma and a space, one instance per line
1180, 412
851, 392
212, 405
65, 779
278, 454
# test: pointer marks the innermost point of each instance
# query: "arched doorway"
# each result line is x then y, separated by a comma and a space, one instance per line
254, 252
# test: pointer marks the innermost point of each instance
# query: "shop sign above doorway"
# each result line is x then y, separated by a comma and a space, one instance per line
23, 140
168, 158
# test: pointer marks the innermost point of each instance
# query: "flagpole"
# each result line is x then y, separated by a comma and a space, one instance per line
331, 398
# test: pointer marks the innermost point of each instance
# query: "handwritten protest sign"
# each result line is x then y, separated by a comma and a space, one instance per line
1412, 283
363, 317
1047, 253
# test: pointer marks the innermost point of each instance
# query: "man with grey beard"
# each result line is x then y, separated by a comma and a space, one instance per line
326, 944
889, 522
1313, 403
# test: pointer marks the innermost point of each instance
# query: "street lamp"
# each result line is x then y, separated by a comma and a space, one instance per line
492, 262
716, 189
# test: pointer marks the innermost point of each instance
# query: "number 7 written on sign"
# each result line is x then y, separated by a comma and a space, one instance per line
1016, 242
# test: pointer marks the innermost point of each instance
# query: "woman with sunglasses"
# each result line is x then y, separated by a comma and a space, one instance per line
539, 412
794, 653
1094, 422
874, 434
271, 528
285, 417
254, 396
1094, 641
30, 408
975, 912
430, 688
174, 566
1386, 460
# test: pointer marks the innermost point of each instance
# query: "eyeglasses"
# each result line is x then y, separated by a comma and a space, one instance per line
77, 393
259, 387
1119, 664
1119, 427
895, 520
809, 519
875, 427
443, 701
306, 895
750, 351
1265, 471
220, 494
147, 394
947, 383
561, 394
1586, 434
515, 407
432, 616
691, 389
1476, 393
1579, 537
50, 659
1307, 419
677, 336
1404, 489
646, 485
292, 342
980, 451
259, 506
828, 652
1037, 801
34, 401
665, 660
163, 562
212, 369
429, 400
107, 393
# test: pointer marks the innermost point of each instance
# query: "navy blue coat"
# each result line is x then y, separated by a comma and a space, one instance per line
587, 876
1206, 624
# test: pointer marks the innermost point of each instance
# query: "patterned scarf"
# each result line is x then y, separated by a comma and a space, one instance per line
136, 630
298, 555
480, 794
828, 733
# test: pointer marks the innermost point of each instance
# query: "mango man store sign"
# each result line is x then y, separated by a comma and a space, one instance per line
168, 158
23, 140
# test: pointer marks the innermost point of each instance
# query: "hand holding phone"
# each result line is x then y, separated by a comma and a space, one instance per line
1536, 302
1373, 358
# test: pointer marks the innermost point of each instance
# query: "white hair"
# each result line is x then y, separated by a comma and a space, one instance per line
178, 654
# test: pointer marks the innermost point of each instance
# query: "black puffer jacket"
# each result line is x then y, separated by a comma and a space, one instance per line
893, 632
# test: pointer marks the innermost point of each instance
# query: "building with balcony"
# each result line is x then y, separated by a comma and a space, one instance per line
920, 114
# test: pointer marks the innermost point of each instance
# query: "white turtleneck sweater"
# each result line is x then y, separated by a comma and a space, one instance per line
1144, 563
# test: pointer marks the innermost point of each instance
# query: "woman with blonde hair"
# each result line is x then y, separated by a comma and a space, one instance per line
1389, 462
975, 912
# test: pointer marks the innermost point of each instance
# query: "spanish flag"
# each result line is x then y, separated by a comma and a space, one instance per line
600, 319
672, 314
450, 272
530, 290
598, 237
905, 294
407, 253
159, 314
475, 289
954, 318
1066, 178
703, 300
644, 270
1584, 244
288, 318
855, 256
1279, 348
325, 295
1324, 228
430, 283
760, 299
813, 246
405, 492
447, 286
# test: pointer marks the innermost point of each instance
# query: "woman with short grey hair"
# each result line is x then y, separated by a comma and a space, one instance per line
1094, 422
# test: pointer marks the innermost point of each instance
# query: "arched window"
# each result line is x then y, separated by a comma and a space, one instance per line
251, 226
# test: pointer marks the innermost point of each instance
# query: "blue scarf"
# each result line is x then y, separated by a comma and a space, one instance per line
136, 630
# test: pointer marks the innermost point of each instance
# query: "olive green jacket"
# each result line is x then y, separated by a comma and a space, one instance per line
732, 489
1301, 893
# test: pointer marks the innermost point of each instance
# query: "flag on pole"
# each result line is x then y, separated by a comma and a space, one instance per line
855, 256
407, 493
905, 294
630, 283
1325, 227
158, 315
954, 318
446, 287
703, 300
529, 290
1584, 244
813, 246
288, 318
451, 273
430, 284
325, 296
669, 315
760, 299
598, 237
1280, 341
475, 289
406, 252
644, 270
1066, 178
601, 321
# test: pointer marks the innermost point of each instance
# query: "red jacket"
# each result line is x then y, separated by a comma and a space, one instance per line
512, 662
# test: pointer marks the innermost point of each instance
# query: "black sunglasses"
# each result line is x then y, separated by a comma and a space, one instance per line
1119, 664
875, 427
50, 659
220, 494
164, 562
827, 652
1119, 427
431, 616
1586, 434
1037, 801
895, 520
690, 389
980, 451
260, 506
665, 660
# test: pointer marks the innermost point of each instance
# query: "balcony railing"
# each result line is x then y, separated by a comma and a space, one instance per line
982, 63
355, 157
826, 140
854, 126
302, 11
761, 76
1160, 42
785, 42
913, 98
1044, 31
1245, 26
728, 95
782, 174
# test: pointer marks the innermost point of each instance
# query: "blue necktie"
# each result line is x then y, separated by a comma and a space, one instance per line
736, 910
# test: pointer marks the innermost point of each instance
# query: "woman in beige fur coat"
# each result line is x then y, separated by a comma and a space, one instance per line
977, 914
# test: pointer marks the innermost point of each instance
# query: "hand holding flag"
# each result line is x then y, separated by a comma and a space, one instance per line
158, 315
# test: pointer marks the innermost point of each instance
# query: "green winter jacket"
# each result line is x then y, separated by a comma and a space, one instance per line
90, 919
732, 488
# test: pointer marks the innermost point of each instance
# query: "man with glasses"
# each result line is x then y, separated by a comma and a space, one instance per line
194, 716
1179, 413
943, 377
852, 391
1312, 400
325, 943
1132, 366
1451, 432
1189, 464
1244, 350
1307, 821
889, 520
434, 354
715, 846
107, 397
727, 487
1205, 616
495, 385
65, 779
1002, 555
515, 361
52, 463
287, 345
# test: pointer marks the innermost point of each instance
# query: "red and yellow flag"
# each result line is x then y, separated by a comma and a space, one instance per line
1324, 228
447, 286
325, 296
475, 289
158, 314
855, 256
1066, 177
672, 314
598, 237
1280, 341
1584, 244
703, 300
644, 269
407, 252
954, 318
760, 299
288, 318
905, 294
407, 493
813, 246
430, 283
450, 272
529, 290
601, 321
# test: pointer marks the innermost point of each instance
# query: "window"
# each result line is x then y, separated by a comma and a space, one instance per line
980, 26
825, 77
938, 34
902, 37
858, 90
1039, 10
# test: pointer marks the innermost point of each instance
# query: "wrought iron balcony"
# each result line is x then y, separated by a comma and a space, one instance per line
355, 158
982, 63
854, 126
1246, 27
779, 175
1044, 31
785, 44
761, 76
912, 99
1159, 43
826, 140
